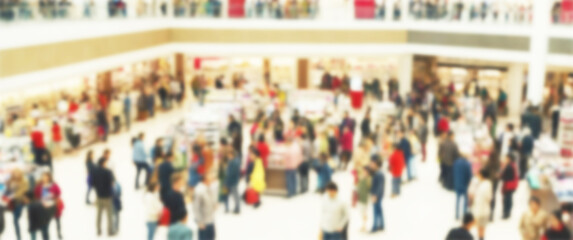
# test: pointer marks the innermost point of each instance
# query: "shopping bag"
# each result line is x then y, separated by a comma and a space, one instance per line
165, 217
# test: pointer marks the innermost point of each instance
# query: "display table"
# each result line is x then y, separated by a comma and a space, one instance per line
276, 172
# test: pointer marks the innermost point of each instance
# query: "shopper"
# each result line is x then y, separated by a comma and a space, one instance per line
396, 167
165, 170
293, 159
365, 125
324, 172
463, 232
363, 192
415, 149
422, 132
204, 206
102, 123
481, 195
38, 217
257, 183
377, 192
505, 139
462, 176
510, 179
334, 215
38, 146
526, 150
557, 228
16, 188
103, 180
534, 221
72, 134
233, 176
406, 148
117, 205
157, 150
448, 153
179, 230
174, 200
91, 168
56, 138
49, 193
127, 110
493, 167
115, 112
140, 159
153, 209
264, 150
346, 145
304, 167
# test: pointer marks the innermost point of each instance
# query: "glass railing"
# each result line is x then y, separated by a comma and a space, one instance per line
494, 12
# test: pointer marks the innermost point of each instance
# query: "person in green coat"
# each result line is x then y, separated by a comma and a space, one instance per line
363, 190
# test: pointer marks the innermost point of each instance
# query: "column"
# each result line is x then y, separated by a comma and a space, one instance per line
404, 10
388, 10
101, 9
538, 51
405, 68
302, 68
131, 6
514, 87
170, 9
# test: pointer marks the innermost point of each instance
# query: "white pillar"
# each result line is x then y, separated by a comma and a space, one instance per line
101, 9
514, 87
405, 68
132, 6
404, 10
538, 51
170, 9
388, 10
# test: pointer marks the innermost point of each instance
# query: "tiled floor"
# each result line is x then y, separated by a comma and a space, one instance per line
423, 211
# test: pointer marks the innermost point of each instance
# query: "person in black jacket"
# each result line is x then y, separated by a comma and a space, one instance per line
365, 125
103, 183
165, 170
91, 167
510, 180
463, 232
532, 120
525, 151
38, 217
558, 229
174, 200
377, 192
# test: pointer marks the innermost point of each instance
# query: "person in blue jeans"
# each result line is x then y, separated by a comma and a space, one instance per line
377, 192
462, 176
233, 176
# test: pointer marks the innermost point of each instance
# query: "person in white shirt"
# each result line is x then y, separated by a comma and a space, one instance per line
334, 217
505, 139
153, 208
481, 193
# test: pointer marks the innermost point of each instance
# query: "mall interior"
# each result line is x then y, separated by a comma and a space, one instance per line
286, 119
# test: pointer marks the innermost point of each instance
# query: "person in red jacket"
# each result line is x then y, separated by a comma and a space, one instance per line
396, 167
444, 123
264, 150
56, 136
346, 144
39, 148
49, 193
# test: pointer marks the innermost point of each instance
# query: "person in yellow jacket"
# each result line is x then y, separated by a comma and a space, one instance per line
257, 178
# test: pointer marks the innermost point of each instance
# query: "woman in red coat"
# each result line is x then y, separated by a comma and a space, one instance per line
49, 193
264, 150
396, 165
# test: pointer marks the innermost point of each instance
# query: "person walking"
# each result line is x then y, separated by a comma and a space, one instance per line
140, 160
153, 209
127, 110
49, 193
16, 188
292, 161
334, 214
115, 112
174, 200
493, 167
257, 182
462, 176
204, 207
463, 232
102, 122
304, 167
396, 167
377, 192
38, 217
117, 205
103, 183
346, 145
90, 167
448, 153
510, 179
422, 132
363, 192
165, 170
481, 195
406, 148
233, 176
525, 152
533, 221
39, 147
